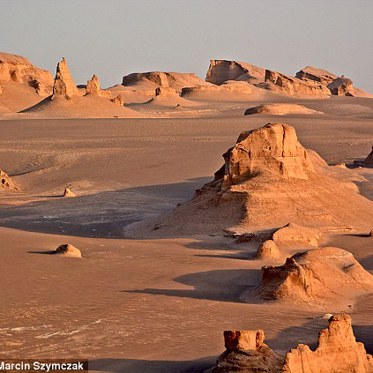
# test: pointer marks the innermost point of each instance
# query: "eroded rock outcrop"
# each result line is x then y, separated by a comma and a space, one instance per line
68, 251
118, 100
247, 352
318, 75
221, 71
93, 88
341, 87
325, 277
64, 85
337, 351
273, 149
294, 86
19, 69
5, 181
368, 161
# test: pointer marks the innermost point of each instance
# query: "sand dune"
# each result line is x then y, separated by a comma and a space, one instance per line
280, 109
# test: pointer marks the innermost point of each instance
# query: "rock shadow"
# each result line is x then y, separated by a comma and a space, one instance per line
218, 285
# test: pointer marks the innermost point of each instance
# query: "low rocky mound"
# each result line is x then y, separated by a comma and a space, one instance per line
5, 181
67, 101
268, 180
296, 235
326, 276
268, 250
155, 79
68, 251
368, 161
68, 193
280, 109
337, 352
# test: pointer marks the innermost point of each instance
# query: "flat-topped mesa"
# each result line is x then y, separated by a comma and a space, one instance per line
19, 69
294, 86
337, 351
247, 352
273, 149
314, 277
93, 88
5, 181
64, 85
221, 71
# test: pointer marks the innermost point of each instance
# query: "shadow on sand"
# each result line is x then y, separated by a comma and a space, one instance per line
218, 285
151, 366
101, 215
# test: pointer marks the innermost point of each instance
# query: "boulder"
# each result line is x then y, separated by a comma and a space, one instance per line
337, 351
322, 277
93, 88
68, 251
64, 85
268, 250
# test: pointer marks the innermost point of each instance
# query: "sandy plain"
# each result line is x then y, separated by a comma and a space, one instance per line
149, 305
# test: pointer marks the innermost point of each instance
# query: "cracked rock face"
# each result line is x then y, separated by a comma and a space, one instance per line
64, 85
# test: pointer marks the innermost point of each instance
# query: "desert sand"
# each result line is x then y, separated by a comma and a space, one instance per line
164, 270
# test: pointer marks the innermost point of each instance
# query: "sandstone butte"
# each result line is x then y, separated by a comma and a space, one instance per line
18, 69
269, 180
337, 352
308, 82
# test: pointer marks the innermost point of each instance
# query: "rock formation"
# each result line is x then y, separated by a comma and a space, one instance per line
19, 69
308, 82
268, 250
68, 251
154, 79
221, 71
118, 100
273, 149
323, 277
318, 75
68, 193
247, 352
294, 86
64, 85
93, 88
337, 351
280, 109
6, 181
368, 161
268, 180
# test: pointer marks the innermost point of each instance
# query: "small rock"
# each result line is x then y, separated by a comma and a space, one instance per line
68, 250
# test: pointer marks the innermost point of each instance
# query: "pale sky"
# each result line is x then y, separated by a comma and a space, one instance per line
113, 38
